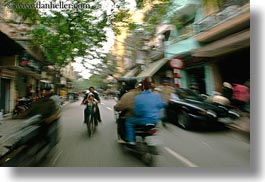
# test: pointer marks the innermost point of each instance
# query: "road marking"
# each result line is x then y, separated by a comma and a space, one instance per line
103, 103
209, 147
181, 158
56, 158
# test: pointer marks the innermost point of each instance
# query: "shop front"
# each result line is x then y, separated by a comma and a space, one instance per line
226, 60
7, 88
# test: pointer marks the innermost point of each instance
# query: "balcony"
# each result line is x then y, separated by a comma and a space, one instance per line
231, 20
215, 19
156, 54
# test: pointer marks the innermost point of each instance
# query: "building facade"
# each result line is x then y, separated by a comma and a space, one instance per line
212, 41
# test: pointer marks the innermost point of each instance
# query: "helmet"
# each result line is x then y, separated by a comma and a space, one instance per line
227, 85
148, 83
130, 84
90, 94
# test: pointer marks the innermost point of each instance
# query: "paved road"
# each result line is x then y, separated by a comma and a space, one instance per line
179, 148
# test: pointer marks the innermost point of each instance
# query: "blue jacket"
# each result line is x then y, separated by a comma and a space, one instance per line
148, 106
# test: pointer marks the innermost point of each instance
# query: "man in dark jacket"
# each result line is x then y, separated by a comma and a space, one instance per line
44, 105
50, 115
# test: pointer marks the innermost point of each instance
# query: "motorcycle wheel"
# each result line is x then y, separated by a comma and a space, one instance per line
184, 120
148, 159
146, 154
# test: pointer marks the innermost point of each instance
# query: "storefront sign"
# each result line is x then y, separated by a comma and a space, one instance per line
4, 73
27, 62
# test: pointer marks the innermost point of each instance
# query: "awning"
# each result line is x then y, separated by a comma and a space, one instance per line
226, 45
8, 46
152, 68
131, 73
22, 71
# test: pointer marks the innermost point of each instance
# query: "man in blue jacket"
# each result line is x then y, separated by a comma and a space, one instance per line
147, 109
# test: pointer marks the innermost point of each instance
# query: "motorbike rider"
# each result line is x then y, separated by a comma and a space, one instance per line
126, 106
50, 114
45, 105
147, 109
96, 96
90, 100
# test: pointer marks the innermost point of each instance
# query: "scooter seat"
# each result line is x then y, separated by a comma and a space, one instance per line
145, 127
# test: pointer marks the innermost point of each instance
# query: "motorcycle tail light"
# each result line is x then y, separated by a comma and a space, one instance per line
152, 131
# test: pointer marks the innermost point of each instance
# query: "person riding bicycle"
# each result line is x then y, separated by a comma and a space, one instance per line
147, 109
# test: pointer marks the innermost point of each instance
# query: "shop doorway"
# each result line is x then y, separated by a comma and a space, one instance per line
235, 68
196, 76
5, 95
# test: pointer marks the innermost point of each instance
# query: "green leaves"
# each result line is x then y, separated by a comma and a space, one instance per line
65, 34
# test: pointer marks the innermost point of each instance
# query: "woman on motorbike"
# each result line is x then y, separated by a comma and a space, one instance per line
90, 101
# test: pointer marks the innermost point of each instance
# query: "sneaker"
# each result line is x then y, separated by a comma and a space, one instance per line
121, 141
131, 145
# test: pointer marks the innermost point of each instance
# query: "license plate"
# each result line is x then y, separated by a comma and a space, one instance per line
152, 140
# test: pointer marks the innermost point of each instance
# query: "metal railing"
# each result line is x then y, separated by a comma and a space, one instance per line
218, 18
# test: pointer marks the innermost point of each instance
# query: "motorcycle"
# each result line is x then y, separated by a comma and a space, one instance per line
21, 107
146, 147
90, 118
31, 144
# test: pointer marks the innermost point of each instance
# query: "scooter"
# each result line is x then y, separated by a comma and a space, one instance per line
21, 107
146, 147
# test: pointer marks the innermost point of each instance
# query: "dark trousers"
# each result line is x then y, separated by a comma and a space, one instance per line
98, 114
121, 128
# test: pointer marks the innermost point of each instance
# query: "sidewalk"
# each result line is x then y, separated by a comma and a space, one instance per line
8, 117
241, 124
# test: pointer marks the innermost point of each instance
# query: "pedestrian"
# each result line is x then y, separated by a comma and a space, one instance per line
241, 95
227, 91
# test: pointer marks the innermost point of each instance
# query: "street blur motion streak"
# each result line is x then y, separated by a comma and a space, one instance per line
179, 148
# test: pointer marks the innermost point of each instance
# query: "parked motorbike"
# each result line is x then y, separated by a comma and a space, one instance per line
146, 147
21, 107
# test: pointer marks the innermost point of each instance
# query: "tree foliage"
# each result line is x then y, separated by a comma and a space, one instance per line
66, 34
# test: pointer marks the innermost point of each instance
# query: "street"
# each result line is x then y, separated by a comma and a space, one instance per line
179, 148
